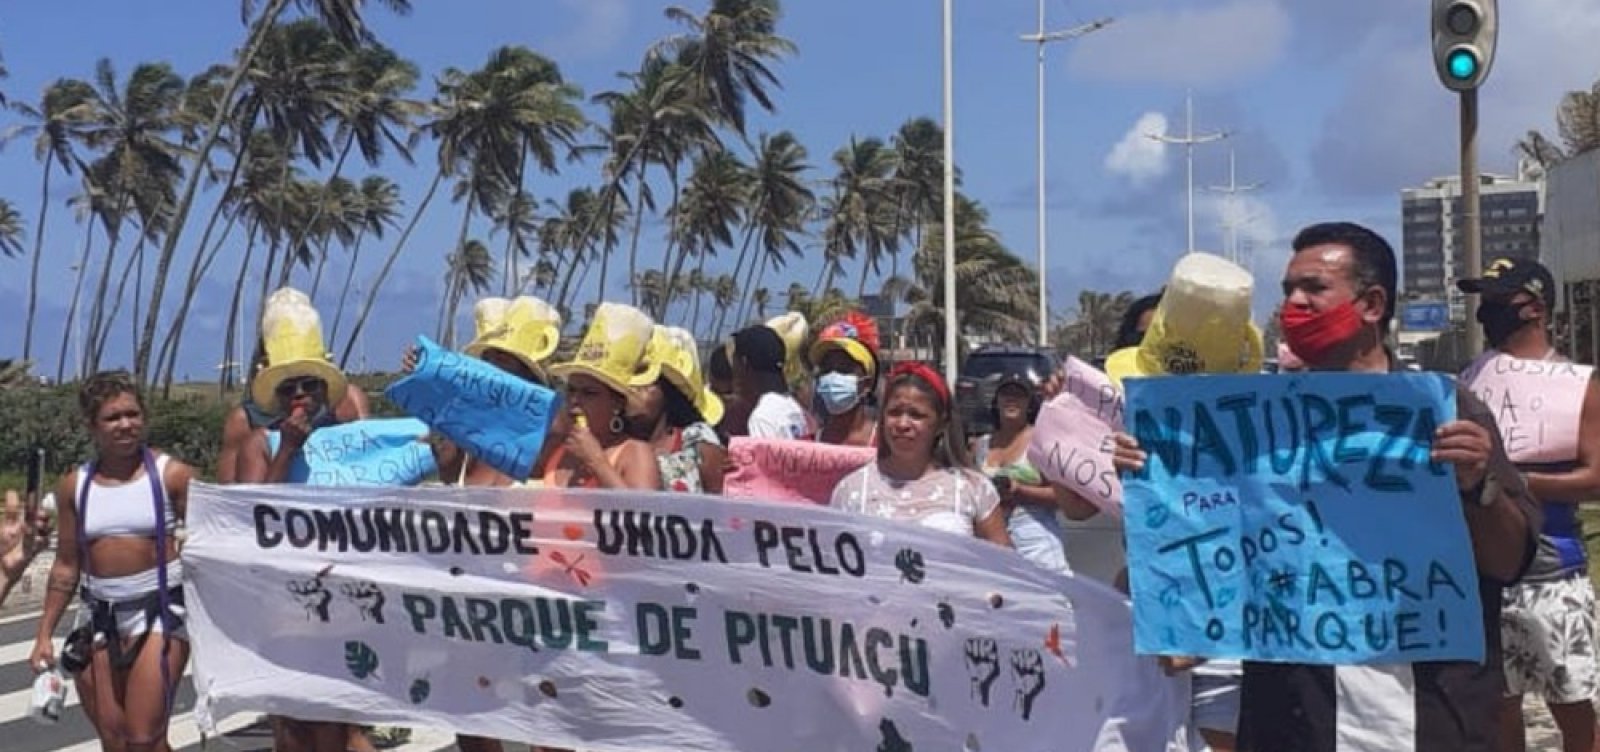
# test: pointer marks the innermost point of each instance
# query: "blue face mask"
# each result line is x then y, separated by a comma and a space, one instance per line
838, 392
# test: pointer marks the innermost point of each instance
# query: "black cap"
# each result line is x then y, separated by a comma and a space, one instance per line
760, 348
1506, 277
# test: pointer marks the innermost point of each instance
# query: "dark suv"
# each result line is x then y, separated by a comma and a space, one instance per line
980, 377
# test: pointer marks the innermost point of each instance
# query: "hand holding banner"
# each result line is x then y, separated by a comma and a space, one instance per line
371, 452
795, 471
1071, 439
492, 415
1299, 518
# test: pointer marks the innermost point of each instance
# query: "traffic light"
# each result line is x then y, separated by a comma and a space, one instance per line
1464, 33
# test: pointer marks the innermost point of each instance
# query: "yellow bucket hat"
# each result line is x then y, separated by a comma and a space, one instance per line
792, 329
291, 334
674, 351
1202, 325
526, 328
613, 350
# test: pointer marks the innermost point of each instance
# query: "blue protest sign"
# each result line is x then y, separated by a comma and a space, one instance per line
492, 415
372, 452
1299, 519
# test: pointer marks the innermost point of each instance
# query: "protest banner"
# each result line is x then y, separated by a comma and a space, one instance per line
1299, 518
613, 621
786, 470
492, 415
1071, 443
1538, 404
371, 452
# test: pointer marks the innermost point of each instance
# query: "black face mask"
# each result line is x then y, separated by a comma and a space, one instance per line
1500, 321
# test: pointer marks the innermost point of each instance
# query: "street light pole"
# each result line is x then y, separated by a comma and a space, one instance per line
1189, 141
1230, 224
950, 319
1040, 39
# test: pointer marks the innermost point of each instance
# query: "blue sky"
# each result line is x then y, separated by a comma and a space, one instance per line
1332, 103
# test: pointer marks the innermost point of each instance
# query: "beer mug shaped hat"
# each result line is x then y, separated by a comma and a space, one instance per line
674, 352
613, 350
1202, 325
291, 334
792, 329
526, 328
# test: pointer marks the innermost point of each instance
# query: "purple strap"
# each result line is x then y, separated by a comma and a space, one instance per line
158, 498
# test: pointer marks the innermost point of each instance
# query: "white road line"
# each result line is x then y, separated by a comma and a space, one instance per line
18, 652
15, 618
15, 704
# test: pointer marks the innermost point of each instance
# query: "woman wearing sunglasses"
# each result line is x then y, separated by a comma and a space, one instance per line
120, 517
922, 473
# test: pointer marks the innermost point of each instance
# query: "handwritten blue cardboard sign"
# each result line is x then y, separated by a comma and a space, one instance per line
492, 415
1298, 519
372, 452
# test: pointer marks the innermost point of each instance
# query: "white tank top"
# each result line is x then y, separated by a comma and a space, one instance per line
123, 510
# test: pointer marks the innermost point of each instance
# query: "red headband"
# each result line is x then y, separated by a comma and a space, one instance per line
925, 373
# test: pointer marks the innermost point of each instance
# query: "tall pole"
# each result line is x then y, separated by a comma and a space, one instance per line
1230, 224
1189, 141
1472, 233
1040, 39
951, 321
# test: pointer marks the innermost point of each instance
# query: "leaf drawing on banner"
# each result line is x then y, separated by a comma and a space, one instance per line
983, 664
911, 565
360, 659
1169, 595
420, 689
892, 740
1027, 668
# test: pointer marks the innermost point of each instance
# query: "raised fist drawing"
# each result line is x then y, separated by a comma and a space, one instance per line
912, 568
312, 596
1027, 668
368, 599
983, 664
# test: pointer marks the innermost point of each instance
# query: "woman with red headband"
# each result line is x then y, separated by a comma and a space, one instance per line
923, 473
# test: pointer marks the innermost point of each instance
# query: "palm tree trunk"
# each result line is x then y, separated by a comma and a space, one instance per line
38, 253
167, 357
744, 252
180, 216
633, 247
104, 333
349, 277
700, 272
138, 294
72, 309
605, 256
388, 264
758, 271
322, 205
511, 270
225, 379
447, 324
97, 312
322, 260
198, 268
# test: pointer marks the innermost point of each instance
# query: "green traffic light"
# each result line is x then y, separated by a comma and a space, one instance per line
1462, 64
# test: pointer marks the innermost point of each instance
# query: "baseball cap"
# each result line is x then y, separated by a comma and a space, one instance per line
761, 348
1505, 277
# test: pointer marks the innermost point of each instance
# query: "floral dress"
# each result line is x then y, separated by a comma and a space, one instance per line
680, 468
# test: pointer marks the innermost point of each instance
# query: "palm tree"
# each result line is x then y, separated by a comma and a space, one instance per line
517, 216
472, 266
996, 293
345, 19
138, 166
863, 213
918, 178
566, 235
726, 52
712, 204
1094, 329
86, 206
780, 204
1578, 120
380, 210
55, 125
11, 230
338, 214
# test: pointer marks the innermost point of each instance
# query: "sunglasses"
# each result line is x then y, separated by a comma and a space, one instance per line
299, 386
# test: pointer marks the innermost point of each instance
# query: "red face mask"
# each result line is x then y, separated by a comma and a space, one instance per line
1314, 336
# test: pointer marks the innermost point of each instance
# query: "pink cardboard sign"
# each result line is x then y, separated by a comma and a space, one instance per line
793, 471
1072, 438
1538, 404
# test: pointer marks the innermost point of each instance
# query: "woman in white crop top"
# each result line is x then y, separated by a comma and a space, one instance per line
922, 473
121, 518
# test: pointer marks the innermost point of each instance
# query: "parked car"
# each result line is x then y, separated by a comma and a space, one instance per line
980, 377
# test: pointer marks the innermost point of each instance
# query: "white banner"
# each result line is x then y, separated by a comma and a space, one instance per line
626, 621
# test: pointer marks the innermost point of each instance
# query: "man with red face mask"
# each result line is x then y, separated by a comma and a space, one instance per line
1339, 294
1549, 412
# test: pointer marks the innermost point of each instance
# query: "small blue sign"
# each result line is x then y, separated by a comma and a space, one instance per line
1425, 317
1298, 518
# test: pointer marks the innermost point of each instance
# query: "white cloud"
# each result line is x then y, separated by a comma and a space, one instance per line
1137, 156
600, 28
1198, 47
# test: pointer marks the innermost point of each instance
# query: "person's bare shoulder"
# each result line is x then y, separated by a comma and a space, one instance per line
354, 406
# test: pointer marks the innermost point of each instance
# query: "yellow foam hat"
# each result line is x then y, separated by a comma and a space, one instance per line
613, 350
674, 351
792, 329
1202, 325
526, 328
291, 334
